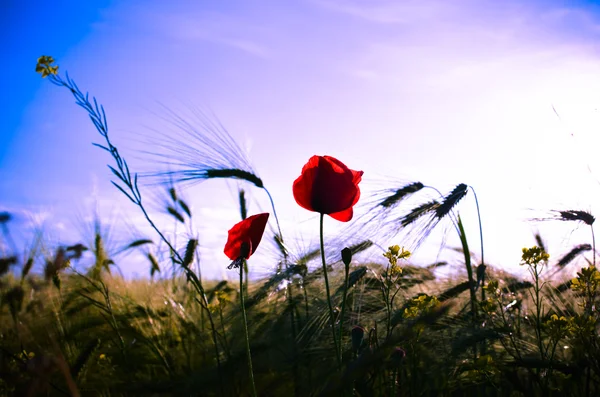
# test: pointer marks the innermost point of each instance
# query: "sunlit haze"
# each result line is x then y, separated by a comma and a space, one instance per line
502, 96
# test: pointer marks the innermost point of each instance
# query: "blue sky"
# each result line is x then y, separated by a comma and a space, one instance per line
436, 91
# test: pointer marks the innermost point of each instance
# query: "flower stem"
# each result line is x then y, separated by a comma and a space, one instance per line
467, 254
593, 246
275, 215
538, 311
248, 354
346, 275
480, 241
290, 293
335, 344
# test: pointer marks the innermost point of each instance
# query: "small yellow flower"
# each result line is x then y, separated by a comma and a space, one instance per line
45, 67
533, 256
222, 298
558, 327
489, 306
395, 270
492, 287
484, 361
404, 254
393, 254
420, 305
587, 279
583, 325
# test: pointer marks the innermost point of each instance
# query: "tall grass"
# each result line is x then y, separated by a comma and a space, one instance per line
398, 329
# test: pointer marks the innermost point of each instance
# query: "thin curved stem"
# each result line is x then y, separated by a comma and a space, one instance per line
480, 226
122, 172
481, 243
276, 217
465, 247
332, 320
593, 246
457, 223
248, 354
290, 292
346, 276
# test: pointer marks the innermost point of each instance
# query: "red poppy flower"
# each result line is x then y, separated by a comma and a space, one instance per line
328, 186
244, 238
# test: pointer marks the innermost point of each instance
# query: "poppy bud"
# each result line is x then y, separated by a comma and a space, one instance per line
347, 256
480, 274
358, 334
398, 356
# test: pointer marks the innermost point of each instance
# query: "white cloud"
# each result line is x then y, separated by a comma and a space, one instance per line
388, 11
192, 24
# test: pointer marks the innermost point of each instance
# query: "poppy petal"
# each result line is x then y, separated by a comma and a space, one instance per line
356, 176
244, 237
303, 188
328, 186
343, 216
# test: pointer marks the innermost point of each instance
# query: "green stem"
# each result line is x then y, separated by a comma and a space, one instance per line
290, 295
225, 342
98, 117
275, 215
307, 313
481, 242
593, 246
538, 313
551, 362
505, 323
292, 308
248, 354
467, 254
386, 298
245, 271
346, 277
480, 226
332, 320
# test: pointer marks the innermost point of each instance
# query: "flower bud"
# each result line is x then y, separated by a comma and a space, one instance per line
347, 256
398, 356
358, 334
